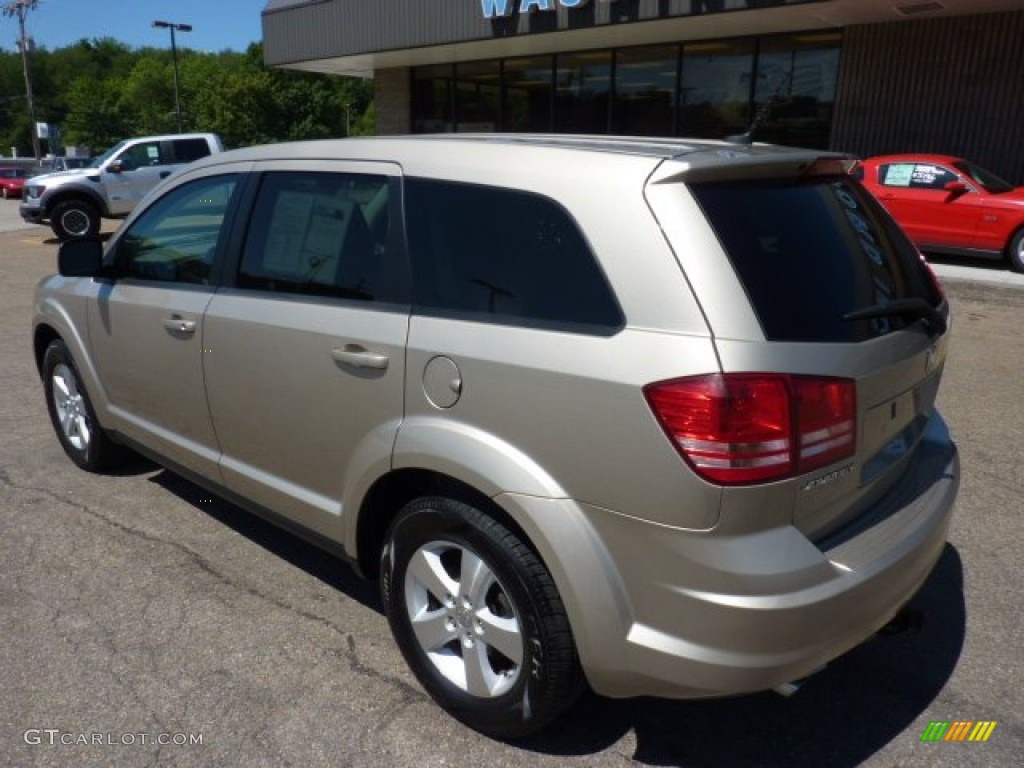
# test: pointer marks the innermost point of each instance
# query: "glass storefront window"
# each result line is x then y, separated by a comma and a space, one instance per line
796, 75
478, 96
645, 90
582, 88
527, 101
715, 88
432, 99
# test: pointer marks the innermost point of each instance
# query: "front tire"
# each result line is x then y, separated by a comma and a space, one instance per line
74, 219
1015, 253
83, 439
478, 618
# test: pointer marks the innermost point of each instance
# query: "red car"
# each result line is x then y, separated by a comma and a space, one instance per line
12, 181
949, 205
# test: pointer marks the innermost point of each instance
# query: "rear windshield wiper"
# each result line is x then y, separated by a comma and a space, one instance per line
916, 308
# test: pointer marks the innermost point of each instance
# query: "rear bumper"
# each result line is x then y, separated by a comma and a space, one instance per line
695, 614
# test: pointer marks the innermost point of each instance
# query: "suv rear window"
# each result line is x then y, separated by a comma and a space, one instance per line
810, 251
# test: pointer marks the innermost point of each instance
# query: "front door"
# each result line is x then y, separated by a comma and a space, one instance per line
146, 329
138, 169
916, 195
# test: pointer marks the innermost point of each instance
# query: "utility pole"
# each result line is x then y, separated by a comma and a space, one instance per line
20, 9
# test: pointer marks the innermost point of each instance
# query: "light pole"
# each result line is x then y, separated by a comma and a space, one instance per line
174, 57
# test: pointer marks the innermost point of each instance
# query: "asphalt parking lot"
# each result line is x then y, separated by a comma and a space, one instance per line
135, 608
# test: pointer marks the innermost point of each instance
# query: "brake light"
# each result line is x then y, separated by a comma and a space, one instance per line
745, 428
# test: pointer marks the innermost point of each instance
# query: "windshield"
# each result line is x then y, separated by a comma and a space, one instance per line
98, 161
988, 180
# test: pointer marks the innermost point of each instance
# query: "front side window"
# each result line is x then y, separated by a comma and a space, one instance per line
323, 234
499, 255
916, 176
142, 155
176, 238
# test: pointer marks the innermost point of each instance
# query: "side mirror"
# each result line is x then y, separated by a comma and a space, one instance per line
116, 167
955, 189
80, 258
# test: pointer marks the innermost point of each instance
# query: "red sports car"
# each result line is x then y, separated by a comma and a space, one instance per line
949, 205
12, 181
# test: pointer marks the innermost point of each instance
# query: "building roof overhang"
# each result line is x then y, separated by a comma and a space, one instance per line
357, 37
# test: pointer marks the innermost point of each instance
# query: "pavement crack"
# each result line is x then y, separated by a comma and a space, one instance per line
356, 665
197, 559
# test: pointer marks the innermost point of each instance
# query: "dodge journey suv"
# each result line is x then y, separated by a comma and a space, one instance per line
655, 417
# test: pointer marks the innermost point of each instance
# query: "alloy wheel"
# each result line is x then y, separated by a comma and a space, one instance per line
463, 619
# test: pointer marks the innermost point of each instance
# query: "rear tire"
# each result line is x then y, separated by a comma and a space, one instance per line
80, 434
74, 219
478, 618
1015, 253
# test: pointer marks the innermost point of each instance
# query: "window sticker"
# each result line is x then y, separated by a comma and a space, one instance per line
898, 175
153, 152
926, 174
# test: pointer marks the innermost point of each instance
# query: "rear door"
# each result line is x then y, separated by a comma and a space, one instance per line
305, 345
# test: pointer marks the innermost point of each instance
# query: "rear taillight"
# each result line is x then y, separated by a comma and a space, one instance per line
744, 428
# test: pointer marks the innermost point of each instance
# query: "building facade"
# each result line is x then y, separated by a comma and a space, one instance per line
861, 76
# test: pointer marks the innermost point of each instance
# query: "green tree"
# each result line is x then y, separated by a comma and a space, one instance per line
100, 91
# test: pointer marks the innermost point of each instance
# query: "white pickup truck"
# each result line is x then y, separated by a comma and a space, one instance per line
73, 202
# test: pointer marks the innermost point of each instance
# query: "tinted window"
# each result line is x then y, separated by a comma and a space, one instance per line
505, 256
176, 238
916, 175
809, 253
187, 150
324, 234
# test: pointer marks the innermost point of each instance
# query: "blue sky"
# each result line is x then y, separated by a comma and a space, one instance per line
217, 24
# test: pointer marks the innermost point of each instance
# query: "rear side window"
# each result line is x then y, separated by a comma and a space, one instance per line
499, 255
187, 150
322, 234
810, 252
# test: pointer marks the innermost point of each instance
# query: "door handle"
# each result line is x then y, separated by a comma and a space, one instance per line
164, 174
359, 357
178, 324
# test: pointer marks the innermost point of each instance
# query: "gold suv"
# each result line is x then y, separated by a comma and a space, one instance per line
656, 417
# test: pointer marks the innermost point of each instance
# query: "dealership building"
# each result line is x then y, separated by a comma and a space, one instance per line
861, 76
